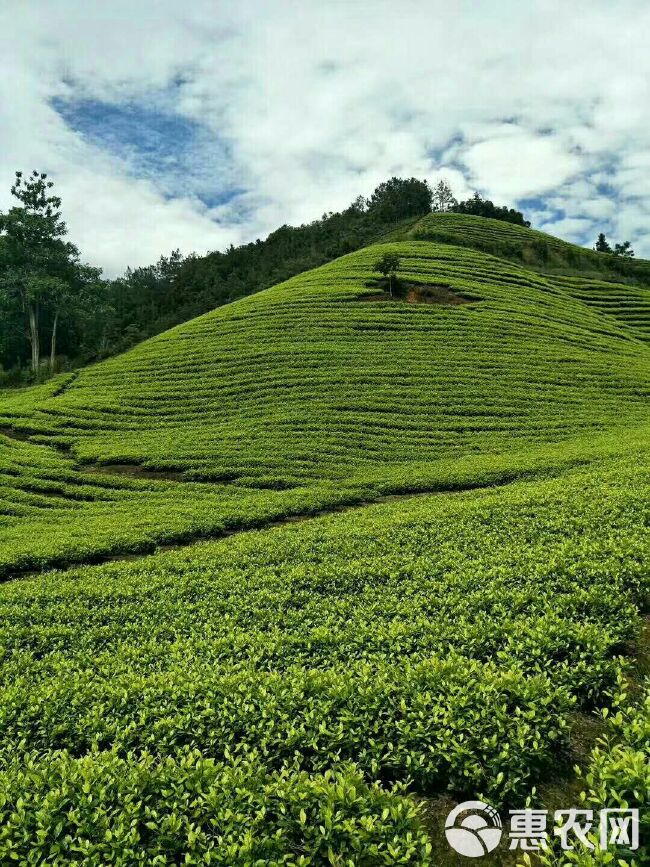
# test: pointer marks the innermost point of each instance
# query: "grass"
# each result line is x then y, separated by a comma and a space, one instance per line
290, 695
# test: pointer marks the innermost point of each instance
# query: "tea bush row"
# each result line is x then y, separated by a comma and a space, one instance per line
444, 641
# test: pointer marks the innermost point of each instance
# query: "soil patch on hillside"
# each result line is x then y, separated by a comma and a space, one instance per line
138, 470
416, 293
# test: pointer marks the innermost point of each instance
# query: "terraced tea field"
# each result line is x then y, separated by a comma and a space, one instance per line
303, 694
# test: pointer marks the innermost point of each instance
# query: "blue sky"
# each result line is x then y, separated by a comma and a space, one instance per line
178, 154
150, 140
165, 127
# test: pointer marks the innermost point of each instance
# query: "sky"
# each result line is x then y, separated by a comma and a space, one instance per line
167, 125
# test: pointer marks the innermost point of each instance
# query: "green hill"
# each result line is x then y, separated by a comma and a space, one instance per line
528, 246
316, 393
456, 641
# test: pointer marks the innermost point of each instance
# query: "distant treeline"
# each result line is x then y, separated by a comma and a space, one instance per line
113, 315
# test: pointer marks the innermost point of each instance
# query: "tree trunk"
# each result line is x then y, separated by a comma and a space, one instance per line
53, 341
390, 284
34, 338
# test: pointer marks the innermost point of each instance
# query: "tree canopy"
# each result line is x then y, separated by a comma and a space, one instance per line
443, 197
625, 250
388, 265
602, 245
400, 198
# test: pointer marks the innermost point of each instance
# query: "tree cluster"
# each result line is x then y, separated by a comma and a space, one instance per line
623, 250
41, 277
398, 199
480, 207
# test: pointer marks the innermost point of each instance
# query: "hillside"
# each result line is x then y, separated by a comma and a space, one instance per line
152, 299
454, 643
535, 249
110, 316
312, 392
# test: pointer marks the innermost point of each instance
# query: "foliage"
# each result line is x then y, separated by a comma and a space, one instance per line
388, 265
400, 198
443, 197
39, 271
150, 299
258, 696
193, 810
480, 207
396, 637
306, 395
602, 245
535, 250
617, 777
623, 250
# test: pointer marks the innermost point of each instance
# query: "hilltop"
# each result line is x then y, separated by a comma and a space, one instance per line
451, 632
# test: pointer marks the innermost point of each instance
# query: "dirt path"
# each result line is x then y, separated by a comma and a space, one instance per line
251, 526
256, 524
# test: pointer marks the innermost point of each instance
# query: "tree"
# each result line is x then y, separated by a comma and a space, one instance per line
625, 250
358, 206
601, 244
388, 265
39, 271
74, 292
443, 197
400, 198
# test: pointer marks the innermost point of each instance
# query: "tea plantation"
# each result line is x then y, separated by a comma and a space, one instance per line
304, 686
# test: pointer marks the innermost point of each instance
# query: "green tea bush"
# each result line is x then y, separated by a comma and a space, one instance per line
306, 396
617, 776
444, 642
102, 809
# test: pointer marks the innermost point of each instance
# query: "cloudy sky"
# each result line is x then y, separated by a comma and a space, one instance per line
196, 125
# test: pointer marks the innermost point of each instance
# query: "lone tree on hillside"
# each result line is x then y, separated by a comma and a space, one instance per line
400, 198
40, 272
443, 197
625, 250
602, 246
388, 265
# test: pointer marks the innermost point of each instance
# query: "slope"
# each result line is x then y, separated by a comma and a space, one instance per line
533, 248
255, 700
311, 394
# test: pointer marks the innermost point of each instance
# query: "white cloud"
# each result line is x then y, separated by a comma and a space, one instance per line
319, 102
514, 164
571, 228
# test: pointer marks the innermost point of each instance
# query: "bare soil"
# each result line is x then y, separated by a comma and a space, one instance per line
416, 293
133, 470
